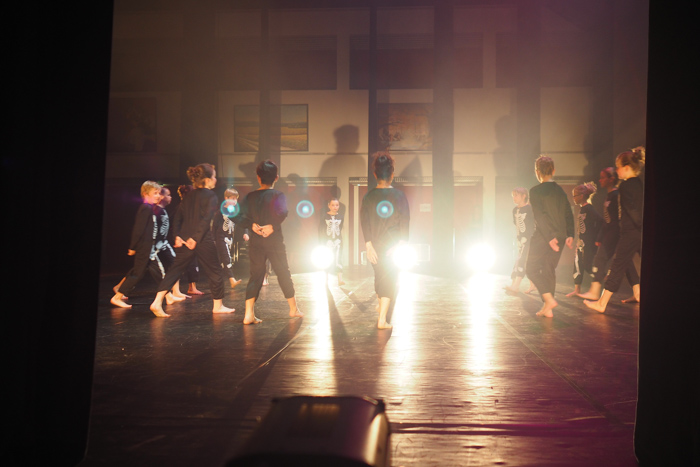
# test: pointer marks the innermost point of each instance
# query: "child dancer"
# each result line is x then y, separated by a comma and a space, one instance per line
629, 165
162, 254
554, 225
587, 228
383, 232
193, 223
524, 226
191, 274
141, 247
224, 228
264, 211
608, 237
329, 232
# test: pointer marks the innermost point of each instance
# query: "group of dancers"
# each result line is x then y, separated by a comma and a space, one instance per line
203, 235
543, 217
606, 244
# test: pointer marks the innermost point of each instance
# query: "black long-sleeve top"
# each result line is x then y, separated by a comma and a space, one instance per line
552, 211
631, 204
384, 232
589, 226
264, 207
143, 233
524, 221
194, 215
610, 230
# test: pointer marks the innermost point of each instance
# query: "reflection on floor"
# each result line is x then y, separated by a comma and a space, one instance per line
469, 375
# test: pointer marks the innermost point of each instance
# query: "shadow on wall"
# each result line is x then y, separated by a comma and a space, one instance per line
504, 155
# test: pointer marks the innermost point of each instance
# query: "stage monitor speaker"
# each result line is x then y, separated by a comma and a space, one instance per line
345, 431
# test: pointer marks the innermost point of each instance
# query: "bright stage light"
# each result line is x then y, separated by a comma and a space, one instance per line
405, 256
481, 257
321, 257
230, 208
305, 209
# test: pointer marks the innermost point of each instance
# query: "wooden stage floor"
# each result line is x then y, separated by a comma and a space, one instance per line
470, 376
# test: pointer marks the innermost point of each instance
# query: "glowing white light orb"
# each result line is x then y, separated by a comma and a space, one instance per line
321, 257
405, 256
481, 257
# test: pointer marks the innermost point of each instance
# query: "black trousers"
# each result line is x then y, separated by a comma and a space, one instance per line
208, 259
542, 264
386, 276
601, 264
259, 252
521, 262
583, 263
630, 243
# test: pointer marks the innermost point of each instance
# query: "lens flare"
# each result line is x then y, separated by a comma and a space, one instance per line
305, 209
481, 257
321, 257
385, 209
230, 208
405, 257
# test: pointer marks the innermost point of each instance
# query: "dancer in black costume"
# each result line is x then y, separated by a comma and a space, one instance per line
554, 225
384, 217
524, 227
193, 223
224, 227
629, 165
588, 226
263, 212
330, 232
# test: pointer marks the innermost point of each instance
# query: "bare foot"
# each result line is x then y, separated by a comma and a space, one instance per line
547, 308
531, 289
223, 309
194, 291
384, 325
296, 313
594, 305
510, 291
572, 294
265, 281
589, 296
341, 282
158, 311
179, 295
255, 320
118, 302
170, 298
234, 282
630, 300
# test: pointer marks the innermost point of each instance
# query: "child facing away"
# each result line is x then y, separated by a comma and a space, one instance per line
629, 166
194, 239
224, 229
608, 237
554, 227
148, 245
330, 234
384, 232
524, 227
264, 210
191, 274
587, 228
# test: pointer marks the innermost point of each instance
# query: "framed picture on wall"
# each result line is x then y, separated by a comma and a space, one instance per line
289, 127
405, 127
132, 124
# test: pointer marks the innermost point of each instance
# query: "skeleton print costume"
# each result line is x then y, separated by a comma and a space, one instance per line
524, 226
162, 253
588, 226
329, 232
224, 229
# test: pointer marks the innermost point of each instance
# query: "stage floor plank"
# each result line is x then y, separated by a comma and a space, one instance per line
470, 375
